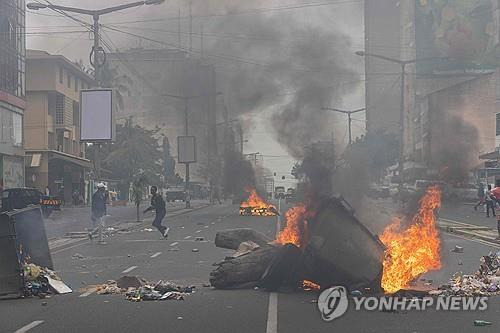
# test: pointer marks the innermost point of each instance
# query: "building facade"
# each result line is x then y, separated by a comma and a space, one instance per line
452, 89
55, 157
12, 92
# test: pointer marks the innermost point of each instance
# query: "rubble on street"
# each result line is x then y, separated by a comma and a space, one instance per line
485, 282
137, 290
41, 281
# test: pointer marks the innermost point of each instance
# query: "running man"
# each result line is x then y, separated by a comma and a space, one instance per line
158, 204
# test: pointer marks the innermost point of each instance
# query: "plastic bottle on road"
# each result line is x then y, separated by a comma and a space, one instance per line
481, 323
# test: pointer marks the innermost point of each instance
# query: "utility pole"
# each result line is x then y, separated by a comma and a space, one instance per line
349, 119
97, 55
403, 64
186, 100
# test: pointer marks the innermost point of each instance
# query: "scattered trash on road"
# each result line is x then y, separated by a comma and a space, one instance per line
485, 282
40, 281
195, 250
458, 249
199, 239
136, 289
78, 256
482, 323
148, 229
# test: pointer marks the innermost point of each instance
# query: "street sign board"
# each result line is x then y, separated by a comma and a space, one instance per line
186, 149
96, 115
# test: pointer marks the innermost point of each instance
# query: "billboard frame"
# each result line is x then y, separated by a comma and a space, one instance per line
179, 138
112, 120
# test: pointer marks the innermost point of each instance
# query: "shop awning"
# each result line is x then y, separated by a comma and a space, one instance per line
84, 163
494, 155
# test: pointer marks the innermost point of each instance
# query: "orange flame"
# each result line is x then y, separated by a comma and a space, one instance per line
413, 251
295, 231
309, 285
255, 205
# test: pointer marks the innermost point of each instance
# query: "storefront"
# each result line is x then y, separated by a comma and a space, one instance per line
11, 171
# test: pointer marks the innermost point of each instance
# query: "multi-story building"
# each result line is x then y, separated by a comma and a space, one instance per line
12, 92
55, 157
451, 92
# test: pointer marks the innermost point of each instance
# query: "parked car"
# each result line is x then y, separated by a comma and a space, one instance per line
175, 194
279, 192
377, 191
17, 198
463, 192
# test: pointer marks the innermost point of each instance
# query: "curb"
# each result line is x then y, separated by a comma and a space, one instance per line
466, 230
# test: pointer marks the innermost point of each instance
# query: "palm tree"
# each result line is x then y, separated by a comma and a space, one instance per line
138, 193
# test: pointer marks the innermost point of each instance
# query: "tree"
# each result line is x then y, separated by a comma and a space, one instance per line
138, 193
168, 163
135, 151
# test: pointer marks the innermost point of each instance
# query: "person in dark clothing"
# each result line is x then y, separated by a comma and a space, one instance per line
158, 205
490, 202
99, 202
480, 195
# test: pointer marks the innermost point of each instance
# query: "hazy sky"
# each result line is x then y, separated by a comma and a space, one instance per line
56, 34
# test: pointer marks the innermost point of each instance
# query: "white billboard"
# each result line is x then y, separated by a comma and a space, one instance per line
96, 115
186, 149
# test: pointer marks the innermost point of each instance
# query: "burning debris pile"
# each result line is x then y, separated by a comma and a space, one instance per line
256, 206
314, 249
41, 281
327, 245
137, 290
485, 282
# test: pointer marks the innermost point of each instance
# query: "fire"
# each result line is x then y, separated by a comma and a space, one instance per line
295, 231
413, 251
309, 285
256, 206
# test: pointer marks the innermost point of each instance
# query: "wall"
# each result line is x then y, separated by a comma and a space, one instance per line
35, 121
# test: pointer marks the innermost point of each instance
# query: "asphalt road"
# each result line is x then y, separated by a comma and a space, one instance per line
463, 212
209, 310
73, 219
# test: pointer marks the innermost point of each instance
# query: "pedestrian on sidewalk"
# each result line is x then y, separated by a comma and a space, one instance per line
490, 202
480, 195
158, 204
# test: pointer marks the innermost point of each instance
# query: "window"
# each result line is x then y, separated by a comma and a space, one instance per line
59, 109
17, 135
69, 80
61, 75
498, 124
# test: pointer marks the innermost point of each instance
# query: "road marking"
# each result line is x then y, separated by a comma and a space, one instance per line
174, 243
272, 313
29, 326
198, 231
130, 269
187, 237
88, 292
475, 240
156, 255
272, 309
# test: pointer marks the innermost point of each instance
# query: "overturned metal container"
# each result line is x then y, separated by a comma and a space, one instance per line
341, 250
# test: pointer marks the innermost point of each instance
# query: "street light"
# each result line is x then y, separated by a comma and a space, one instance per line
403, 64
96, 49
348, 113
